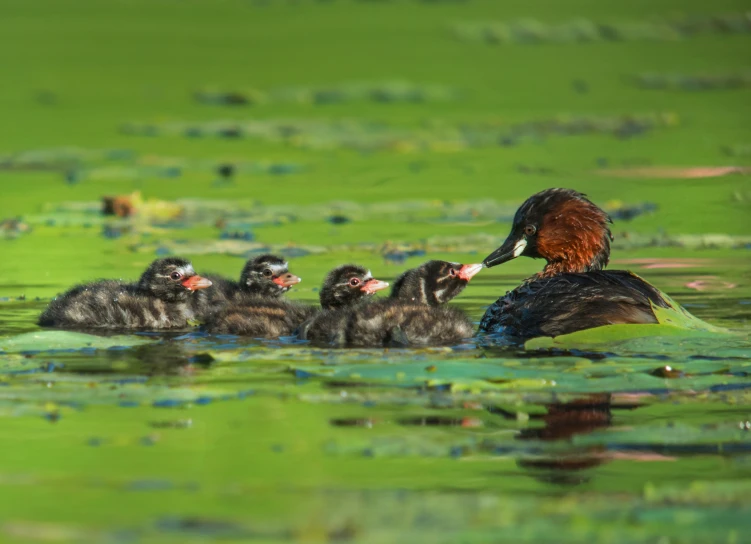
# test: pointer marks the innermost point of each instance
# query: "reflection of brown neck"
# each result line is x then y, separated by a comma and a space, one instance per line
563, 421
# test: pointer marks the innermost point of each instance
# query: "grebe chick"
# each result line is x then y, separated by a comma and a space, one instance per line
161, 299
265, 276
267, 318
412, 315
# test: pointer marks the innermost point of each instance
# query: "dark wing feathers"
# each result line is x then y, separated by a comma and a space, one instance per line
572, 302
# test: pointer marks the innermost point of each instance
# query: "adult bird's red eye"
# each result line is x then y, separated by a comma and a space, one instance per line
529, 230
354, 282
176, 276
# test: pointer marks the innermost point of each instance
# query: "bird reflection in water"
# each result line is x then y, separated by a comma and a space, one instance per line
562, 423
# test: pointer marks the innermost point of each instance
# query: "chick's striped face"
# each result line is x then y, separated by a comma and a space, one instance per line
187, 278
448, 271
268, 276
178, 273
264, 272
275, 270
172, 279
354, 281
367, 284
347, 284
449, 279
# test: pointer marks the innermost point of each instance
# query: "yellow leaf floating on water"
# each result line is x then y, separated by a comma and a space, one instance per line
155, 209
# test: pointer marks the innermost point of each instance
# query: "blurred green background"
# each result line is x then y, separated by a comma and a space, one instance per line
78, 73
383, 132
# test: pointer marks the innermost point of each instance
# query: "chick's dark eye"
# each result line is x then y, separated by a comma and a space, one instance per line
354, 282
452, 272
267, 273
175, 276
529, 230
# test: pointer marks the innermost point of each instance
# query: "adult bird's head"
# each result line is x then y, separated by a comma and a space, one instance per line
561, 226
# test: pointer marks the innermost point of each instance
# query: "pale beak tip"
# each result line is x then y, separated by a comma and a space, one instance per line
373, 286
196, 283
468, 271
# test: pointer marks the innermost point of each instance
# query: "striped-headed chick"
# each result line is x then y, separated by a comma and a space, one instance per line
265, 318
264, 277
161, 299
414, 314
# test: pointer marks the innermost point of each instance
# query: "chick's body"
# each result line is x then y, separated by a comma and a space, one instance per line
412, 316
161, 299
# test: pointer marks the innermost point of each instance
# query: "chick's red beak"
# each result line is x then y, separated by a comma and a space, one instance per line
373, 285
196, 283
286, 280
467, 271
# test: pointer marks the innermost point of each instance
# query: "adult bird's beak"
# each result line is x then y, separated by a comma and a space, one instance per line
467, 271
287, 280
373, 285
196, 283
511, 249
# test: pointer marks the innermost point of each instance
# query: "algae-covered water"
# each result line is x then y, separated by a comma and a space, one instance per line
383, 133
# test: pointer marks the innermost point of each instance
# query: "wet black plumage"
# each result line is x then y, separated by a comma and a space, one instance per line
161, 299
265, 277
410, 316
572, 292
568, 303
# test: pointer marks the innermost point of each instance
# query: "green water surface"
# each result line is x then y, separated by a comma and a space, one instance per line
371, 132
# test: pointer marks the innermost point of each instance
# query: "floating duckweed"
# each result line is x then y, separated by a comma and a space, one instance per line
692, 82
91, 165
381, 92
737, 150
532, 31
13, 228
443, 138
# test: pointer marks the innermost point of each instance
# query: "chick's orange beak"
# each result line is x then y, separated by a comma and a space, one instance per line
467, 271
196, 283
286, 280
373, 285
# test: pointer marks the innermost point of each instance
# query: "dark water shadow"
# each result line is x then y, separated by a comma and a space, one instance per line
167, 358
561, 423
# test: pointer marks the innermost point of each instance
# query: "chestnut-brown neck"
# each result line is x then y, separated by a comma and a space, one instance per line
561, 267
574, 237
